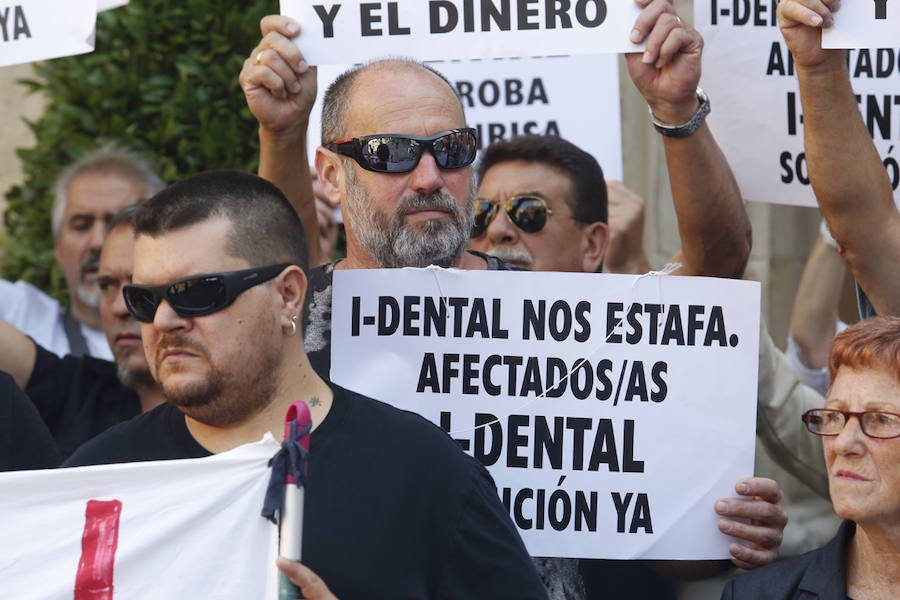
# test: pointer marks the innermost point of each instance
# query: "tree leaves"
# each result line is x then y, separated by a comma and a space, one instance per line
164, 80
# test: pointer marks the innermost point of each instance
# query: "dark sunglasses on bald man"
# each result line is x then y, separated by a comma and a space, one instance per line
528, 213
195, 296
394, 153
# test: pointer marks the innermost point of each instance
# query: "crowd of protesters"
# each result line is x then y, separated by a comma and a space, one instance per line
172, 349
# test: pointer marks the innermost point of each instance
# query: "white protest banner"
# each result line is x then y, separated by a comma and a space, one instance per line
756, 113
576, 97
863, 24
32, 30
108, 4
167, 529
625, 457
354, 31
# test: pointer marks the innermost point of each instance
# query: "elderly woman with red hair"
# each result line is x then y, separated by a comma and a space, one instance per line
860, 429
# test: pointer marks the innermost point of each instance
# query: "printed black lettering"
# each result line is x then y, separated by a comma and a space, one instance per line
516, 440
449, 371
437, 8
394, 27
558, 11
531, 381
525, 13
501, 16
487, 423
327, 17
581, 13
410, 315
621, 506
629, 464
388, 315
368, 18
613, 321
604, 450
428, 375
534, 321
486, 381
548, 443
470, 373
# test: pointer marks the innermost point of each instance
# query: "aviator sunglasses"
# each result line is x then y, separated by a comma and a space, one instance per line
528, 213
393, 153
195, 296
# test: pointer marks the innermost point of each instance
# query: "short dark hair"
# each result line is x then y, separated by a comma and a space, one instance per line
588, 200
335, 102
265, 229
125, 217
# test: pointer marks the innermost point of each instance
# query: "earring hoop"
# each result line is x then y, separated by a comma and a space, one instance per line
293, 326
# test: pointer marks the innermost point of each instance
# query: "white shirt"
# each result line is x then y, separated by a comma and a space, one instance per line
40, 317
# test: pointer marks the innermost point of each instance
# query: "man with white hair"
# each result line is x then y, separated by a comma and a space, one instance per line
86, 196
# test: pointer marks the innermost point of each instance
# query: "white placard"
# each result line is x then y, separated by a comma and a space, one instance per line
756, 113
863, 24
354, 31
32, 30
167, 529
627, 458
108, 4
576, 97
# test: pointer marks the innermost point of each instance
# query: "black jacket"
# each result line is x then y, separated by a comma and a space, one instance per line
818, 575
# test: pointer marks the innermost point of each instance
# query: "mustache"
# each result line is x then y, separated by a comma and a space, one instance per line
91, 261
436, 200
176, 340
516, 255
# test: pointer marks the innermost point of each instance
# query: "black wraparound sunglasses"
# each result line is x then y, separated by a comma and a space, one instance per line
195, 296
396, 153
528, 213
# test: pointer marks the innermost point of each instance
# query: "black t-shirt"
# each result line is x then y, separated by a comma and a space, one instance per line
25, 442
393, 508
78, 397
317, 333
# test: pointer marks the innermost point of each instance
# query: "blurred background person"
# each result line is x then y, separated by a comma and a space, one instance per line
86, 196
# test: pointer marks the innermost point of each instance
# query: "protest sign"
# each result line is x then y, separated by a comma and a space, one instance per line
168, 529
108, 4
32, 30
354, 31
606, 439
756, 113
864, 25
576, 97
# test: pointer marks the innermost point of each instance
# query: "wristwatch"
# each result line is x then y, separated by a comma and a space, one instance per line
685, 129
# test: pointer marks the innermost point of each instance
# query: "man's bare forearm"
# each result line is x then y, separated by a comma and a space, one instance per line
283, 161
17, 353
850, 182
712, 221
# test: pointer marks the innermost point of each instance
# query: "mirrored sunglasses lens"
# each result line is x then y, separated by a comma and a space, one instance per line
197, 296
529, 214
484, 211
141, 304
454, 150
391, 154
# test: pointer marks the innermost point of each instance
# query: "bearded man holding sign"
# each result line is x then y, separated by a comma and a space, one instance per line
418, 212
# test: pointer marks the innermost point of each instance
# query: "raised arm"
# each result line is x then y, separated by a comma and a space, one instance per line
280, 88
851, 185
17, 353
712, 221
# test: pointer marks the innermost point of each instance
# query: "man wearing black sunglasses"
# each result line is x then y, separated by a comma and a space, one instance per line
219, 285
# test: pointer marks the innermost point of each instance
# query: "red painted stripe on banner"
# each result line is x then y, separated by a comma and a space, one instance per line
94, 580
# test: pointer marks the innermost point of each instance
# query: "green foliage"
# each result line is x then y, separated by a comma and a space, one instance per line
164, 80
